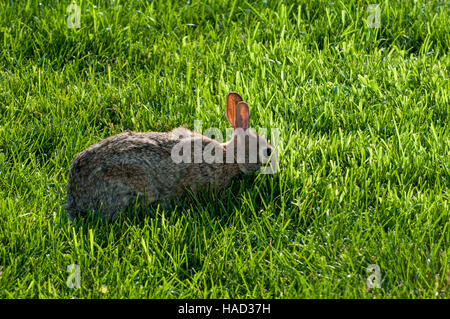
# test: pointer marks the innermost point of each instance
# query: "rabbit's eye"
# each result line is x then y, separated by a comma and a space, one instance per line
267, 152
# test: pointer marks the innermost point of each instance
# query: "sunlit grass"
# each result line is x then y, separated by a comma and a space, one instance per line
364, 159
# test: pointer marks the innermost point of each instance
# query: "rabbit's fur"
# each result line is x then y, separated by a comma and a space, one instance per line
111, 174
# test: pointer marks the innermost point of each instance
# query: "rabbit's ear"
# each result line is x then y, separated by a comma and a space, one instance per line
242, 115
232, 100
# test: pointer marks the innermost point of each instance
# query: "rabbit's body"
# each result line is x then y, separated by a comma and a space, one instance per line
113, 172
108, 176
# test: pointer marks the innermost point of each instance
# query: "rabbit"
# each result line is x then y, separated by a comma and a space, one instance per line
108, 176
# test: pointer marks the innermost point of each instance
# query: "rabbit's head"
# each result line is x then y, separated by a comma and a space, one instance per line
249, 150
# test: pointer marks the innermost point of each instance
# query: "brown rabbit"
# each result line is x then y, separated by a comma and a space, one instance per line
109, 175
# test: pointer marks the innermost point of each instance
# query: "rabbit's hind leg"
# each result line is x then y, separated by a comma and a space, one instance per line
114, 199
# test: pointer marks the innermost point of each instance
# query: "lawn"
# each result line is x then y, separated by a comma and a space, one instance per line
361, 105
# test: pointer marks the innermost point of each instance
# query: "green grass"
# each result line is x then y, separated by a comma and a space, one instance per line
363, 115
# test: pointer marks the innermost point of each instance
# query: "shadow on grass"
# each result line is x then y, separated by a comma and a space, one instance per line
218, 206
